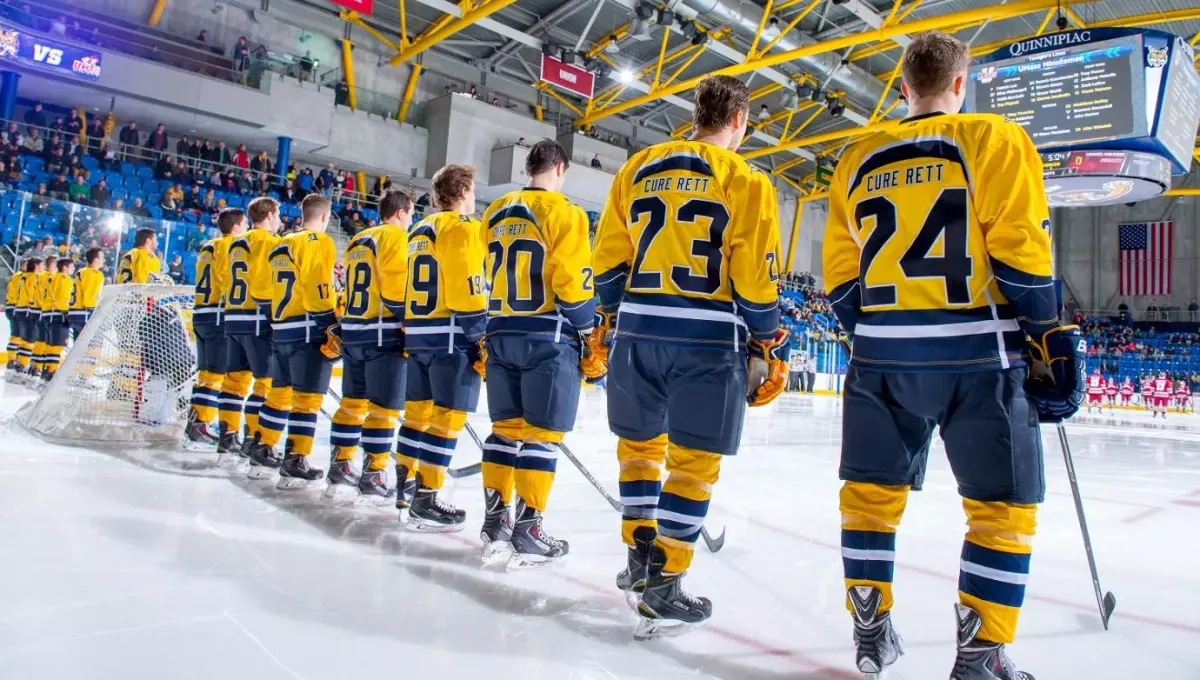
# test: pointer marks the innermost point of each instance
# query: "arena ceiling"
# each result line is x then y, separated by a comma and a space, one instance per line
846, 50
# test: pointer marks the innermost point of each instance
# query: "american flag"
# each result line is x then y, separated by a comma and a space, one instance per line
1146, 250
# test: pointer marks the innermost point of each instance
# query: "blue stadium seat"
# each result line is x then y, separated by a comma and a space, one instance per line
90, 163
145, 172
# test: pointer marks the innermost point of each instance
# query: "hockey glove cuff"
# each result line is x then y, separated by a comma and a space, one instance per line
593, 366
1057, 375
332, 349
599, 340
478, 356
767, 371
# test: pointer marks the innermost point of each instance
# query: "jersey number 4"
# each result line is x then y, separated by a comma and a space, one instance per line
709, 248
947, 219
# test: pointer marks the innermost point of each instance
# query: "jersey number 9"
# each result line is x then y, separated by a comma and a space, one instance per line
424, 281
707, 248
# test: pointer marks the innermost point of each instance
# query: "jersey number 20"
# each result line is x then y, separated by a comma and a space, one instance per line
948, 216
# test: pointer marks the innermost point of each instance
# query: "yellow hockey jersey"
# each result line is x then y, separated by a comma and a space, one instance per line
302, 301
25, 293
447, 304
60, 290
539, 266
376, 285
688, 248
248, 301
41, 292
13, 291
937, 246
212, 276
137, 265
85, 294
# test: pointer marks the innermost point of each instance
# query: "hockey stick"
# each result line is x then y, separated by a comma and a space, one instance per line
455, 473
1104, 600
713, 544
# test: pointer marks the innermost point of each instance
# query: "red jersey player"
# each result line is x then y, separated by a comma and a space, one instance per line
1183, 396
1147, 391
1162, 394
1095, 391
1126, 392
1110, 391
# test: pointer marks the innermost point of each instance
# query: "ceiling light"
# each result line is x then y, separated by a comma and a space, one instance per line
700, 38
763, 113
612, 47
625, 76
771, 30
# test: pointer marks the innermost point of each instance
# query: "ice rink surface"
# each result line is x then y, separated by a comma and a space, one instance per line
142, 564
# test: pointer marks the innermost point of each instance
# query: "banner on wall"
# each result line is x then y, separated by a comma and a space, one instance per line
361, 6
34, 50
569, 77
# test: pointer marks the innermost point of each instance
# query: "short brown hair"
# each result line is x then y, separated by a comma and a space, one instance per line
394, 201
313, 206
31, 264
228, 219
544, 156
451, 183
142, 236
64, 263
261, 208
92, 254
718, 99
931, 62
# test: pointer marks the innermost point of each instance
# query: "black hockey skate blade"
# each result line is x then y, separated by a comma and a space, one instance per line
1107, 607
465, 471
713, 544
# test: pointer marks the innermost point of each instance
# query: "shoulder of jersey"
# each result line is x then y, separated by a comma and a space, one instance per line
209, 247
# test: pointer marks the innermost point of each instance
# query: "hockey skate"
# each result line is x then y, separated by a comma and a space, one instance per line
406, 488
264, 460
978, 659
497, 529
876, 641
373, 490
295, 473
199, 436
230, 448
632, 579
665, 610
532, 547
428, 514
342, 479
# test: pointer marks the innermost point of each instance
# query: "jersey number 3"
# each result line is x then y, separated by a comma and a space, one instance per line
948, 216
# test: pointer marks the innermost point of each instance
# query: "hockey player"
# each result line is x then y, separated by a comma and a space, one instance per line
443, 329
1095, 391
939, 341
212, 273
27, 317
88, 282
60, 290
540, 315
304, 334
41, 309
139, 264
247, 321
1110, 393
1183, 395
373, 365
1126, 392
12, 294
1148, 392
687, 253
1163, 389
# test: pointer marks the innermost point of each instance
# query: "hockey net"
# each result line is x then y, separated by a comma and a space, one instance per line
127, 379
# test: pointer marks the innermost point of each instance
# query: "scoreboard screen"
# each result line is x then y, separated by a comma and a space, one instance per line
1078, 94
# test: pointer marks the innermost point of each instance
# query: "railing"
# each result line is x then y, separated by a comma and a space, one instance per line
1165, 313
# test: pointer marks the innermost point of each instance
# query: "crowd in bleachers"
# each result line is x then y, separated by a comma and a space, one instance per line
1122, 349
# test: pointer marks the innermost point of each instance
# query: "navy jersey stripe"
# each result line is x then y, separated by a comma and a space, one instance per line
671, 163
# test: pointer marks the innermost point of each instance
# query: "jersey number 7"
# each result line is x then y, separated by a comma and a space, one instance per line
947, 218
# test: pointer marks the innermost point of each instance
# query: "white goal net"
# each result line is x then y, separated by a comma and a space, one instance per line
127, 379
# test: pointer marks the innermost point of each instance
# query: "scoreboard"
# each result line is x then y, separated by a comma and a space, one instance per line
1113, 111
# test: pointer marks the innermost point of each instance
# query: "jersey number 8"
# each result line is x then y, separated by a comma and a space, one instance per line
948, 216
360, 289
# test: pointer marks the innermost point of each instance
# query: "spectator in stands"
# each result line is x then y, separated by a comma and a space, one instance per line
290, 193
327, 181
193, 201
74, 124
241, 51
1152, 310
241, 158
596, 161
41, 196
182, 146
95, 137
169, 206
175, 270
194, 154
208, 204
382, 184
522, 143
261, 163
35, 117
58, 25
164, 168
33, 143
55, 161
58, 125
79, 191
109, 158
130, 140
221, 155
472, 92
206, 154
157, 142
496, 101
341, 93
101, 194
305, 182
810, 369
245, 183
262, 185
349, 187
202, 37
76, 168
138, 209
229, 181
59, 187
12, 136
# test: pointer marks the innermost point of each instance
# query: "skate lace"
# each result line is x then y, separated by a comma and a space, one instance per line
541, 534
442, 505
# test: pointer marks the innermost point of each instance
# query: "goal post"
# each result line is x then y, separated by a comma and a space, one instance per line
127, 379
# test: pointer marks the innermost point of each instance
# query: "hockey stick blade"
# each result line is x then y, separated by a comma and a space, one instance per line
1106, 609
465, 471
713, 544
